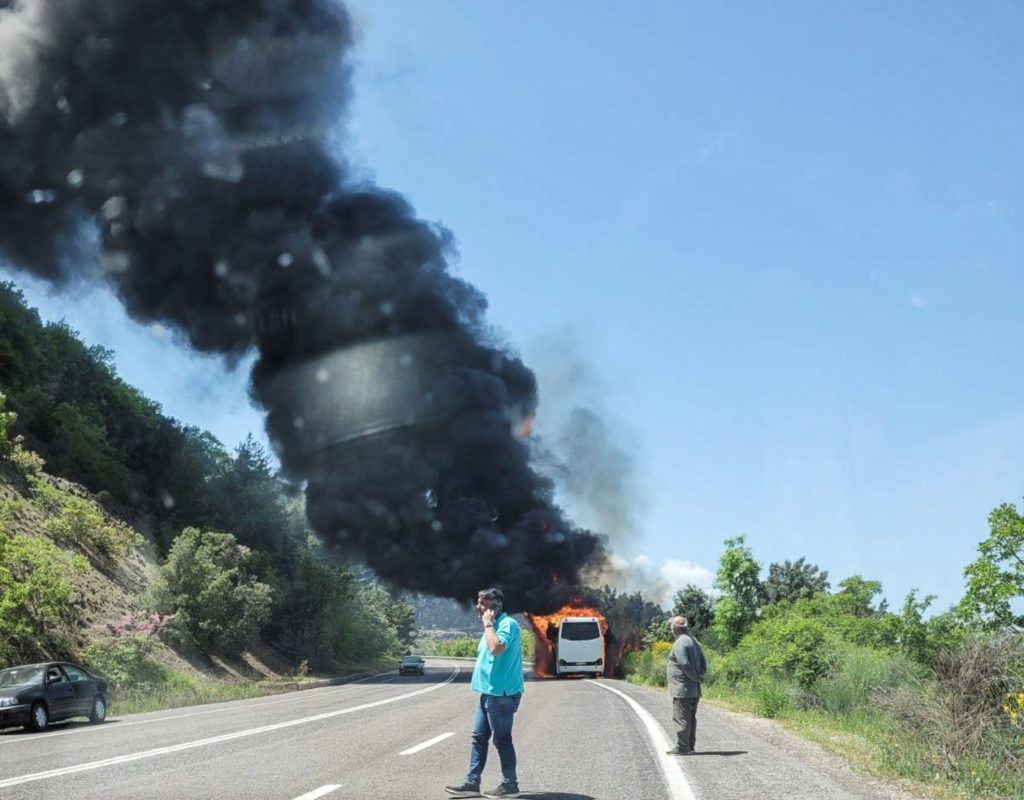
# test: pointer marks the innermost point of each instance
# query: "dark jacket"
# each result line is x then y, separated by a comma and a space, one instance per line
686, 667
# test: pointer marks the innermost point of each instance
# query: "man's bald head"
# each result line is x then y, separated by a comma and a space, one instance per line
680, 625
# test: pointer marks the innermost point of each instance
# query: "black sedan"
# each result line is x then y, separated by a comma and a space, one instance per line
37, 694
411, 665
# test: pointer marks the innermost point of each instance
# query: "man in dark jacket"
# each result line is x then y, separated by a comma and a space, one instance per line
686, 670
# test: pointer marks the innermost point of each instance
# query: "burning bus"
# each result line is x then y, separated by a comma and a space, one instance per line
569, 641
580, 646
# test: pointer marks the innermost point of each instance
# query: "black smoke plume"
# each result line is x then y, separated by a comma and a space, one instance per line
184, 153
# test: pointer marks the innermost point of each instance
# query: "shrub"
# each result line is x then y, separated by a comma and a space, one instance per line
27, 462
957, 713
771, 698
647, 666
458, 648
858, 675
206, 581
80, 522
7, 420
125, 660
35, 597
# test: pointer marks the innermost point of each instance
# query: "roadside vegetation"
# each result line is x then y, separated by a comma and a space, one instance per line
146, 550
935, 699
465, 646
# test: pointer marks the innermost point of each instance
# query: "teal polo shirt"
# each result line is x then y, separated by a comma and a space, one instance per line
501, 674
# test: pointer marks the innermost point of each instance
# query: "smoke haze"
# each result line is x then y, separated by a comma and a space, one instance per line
179, 152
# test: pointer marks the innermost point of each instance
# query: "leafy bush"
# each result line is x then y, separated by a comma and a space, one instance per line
458, 648
771, 698
123, 648
528, 644
125, 661
35, 597
648, 666
208, 583
7, 420
80, 522
25, 461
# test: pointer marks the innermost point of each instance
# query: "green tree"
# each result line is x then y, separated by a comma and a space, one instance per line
737, 578
250, 502
856, 595
7, 419
995, 581
794, 580
697, 606
208, 582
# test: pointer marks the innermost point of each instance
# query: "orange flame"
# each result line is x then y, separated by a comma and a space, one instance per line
545, 628
525, 427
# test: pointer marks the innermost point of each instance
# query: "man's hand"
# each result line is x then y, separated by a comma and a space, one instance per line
494, 644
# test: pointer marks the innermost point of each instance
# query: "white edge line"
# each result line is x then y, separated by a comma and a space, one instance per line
426, 744
678, 786
313, 795
254, 702
159, 751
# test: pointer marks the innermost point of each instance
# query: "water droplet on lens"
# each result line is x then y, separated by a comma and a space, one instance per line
321, 262
285, 260
39, 197
221, 268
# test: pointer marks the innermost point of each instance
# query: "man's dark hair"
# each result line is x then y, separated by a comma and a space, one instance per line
492, 594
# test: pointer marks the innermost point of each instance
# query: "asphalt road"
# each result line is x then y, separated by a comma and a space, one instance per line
406, 737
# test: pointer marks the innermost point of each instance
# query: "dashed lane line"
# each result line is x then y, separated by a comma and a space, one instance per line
313, 795
227, 737
675, 780
426, 744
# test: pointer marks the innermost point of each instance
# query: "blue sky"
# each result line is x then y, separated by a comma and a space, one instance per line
785, 240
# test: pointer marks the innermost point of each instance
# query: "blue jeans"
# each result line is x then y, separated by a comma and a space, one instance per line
494, 715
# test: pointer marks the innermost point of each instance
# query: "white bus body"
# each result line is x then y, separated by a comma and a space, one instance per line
580, 646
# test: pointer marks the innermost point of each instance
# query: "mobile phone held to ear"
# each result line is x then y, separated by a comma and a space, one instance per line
494, 610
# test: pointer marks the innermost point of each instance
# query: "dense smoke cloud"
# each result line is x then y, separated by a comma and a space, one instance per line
179, 151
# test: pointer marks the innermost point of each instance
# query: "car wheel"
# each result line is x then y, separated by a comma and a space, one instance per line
38, 717
99, 710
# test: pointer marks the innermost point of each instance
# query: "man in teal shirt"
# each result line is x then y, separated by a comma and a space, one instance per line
498, 677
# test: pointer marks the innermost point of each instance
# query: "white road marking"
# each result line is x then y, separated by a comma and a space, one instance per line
678, 786
313, 795
426, 744
293, 696
227, 737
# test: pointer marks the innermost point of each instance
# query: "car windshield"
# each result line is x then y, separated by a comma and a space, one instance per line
411, 660
21, 676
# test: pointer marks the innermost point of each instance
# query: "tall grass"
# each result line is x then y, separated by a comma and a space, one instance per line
947, 727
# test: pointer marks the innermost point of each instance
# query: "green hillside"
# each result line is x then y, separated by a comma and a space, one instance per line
147, 550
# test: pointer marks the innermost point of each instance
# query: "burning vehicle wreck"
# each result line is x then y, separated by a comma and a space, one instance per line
570, 641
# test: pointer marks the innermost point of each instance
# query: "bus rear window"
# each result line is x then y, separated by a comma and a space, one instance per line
580, 631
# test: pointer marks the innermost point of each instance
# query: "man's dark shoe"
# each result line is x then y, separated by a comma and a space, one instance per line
675, 751
504, 790
464, 790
